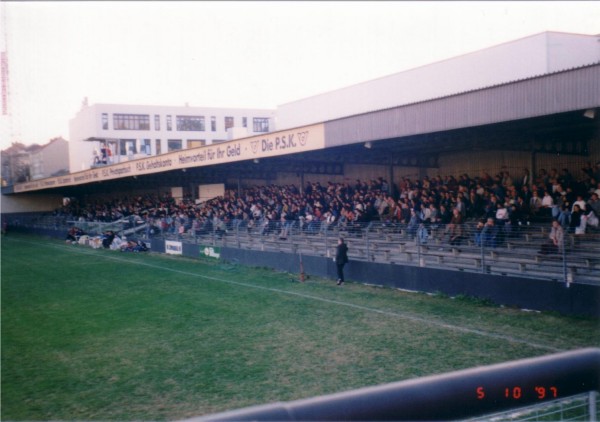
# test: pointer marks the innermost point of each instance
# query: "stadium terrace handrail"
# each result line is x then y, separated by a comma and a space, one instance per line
455, 395
516, 250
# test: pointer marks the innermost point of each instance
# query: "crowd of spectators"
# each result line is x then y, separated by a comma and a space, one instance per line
494, 205
108, 240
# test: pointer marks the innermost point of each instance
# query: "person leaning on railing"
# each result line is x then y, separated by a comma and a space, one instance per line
555, 241
575, 221
455, 229
487, 233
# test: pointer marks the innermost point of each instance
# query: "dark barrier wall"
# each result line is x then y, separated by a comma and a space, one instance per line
157, 245
524, 293
56, 234
520, 292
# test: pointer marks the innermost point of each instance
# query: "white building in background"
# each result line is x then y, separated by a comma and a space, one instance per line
23, 163
51, 159
136, 131
535, 55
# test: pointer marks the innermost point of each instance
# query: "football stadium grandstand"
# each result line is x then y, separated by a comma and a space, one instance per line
471, 177
509, 149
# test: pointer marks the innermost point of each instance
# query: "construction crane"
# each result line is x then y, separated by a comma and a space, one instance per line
4, 61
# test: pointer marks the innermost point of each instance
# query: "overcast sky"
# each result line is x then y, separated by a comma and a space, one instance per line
238, 54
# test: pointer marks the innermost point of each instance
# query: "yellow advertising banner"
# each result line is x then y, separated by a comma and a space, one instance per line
306, 138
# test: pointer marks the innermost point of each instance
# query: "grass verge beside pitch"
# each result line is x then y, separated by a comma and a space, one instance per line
95, 334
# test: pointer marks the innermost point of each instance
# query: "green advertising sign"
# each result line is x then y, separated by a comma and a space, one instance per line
210, 251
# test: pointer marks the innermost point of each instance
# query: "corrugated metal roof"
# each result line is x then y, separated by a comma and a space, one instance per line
558, 92
532, 56
541, 75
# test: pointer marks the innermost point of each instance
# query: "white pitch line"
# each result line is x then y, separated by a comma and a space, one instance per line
316, 298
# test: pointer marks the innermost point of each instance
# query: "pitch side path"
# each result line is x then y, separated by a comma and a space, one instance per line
97, 334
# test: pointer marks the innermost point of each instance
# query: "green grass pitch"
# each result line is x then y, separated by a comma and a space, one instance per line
103, 335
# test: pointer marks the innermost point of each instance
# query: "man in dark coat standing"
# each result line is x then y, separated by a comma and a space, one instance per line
341, 258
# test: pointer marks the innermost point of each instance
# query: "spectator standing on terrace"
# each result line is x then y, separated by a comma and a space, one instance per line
455, 229
580, 202
575, 223
547, 202
434, 216
507, 181
590, 217
526, 194
327, 220
555, 239
341, 259
413, 223
287, 219
402, 212
475, 204
562, 214
502, 216
461, 205
535, 203
594, 203
445, 215
487, 234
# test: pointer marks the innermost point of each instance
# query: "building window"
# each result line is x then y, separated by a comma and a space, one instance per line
158, 148
127, 147
244, 121
105, 121
156, 122
174, 145
131, 121
145, 147
195, 143
190, 123
228, 122
213, 123
261, 124
169, 123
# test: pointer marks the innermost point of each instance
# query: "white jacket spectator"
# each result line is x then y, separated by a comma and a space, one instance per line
591, 219
579, 202
547, 201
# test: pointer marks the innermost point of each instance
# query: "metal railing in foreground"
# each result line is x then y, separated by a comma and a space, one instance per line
582, 407
457, 395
